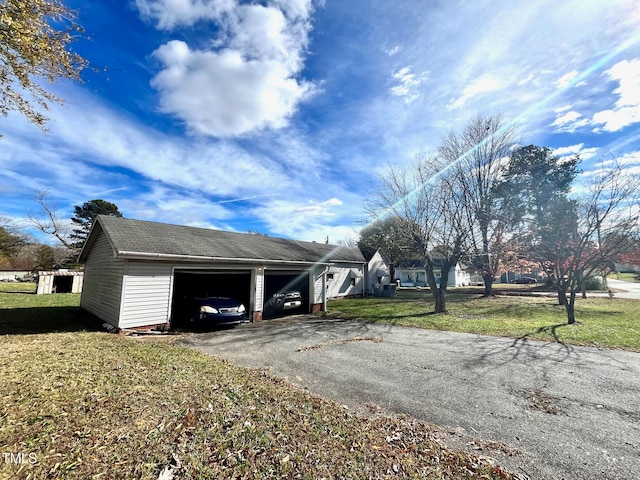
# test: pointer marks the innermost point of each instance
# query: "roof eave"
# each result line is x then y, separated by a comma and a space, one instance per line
91, 239
197, 258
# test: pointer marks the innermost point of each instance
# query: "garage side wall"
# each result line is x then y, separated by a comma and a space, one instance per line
318, 291
345, 280
102, 286
147, 294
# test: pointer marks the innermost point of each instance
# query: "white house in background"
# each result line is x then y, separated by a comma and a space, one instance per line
379, 281
346, 279
413, 274
626, 267
409, 274
12, 275
379, 271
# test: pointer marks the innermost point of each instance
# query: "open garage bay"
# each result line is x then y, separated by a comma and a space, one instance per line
190, 284
283, 281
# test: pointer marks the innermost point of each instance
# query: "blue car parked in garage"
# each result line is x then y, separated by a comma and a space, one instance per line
214, 311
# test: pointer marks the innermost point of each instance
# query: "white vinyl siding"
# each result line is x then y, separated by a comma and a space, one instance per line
45, 284
147, 297
378, 271
76, 286
257, 276
348, 280
417, 277
102, 286
318, 287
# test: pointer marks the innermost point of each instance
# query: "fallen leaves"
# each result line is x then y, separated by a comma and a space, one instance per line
340, 342
172, 413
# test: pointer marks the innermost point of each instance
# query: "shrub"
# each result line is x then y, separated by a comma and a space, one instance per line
593, 283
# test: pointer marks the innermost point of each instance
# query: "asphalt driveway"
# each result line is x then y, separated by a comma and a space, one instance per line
625, 289
568, 412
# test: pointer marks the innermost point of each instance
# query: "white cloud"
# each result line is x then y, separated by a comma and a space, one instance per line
570, 121
614, 120
180, 206
392, 51
632, 158
526, 80
409, 84
585, 153
630, 161
87, 129
628, 74
484, 84
296, 9
310, 220
562, 151
564, 108
627, 107
93, 150
235, 96
565, 80
248, 79
170, 13
568, 117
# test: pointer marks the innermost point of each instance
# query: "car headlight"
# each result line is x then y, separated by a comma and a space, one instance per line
241, 308
208, 309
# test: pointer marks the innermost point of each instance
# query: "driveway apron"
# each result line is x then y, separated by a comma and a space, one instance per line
569, 412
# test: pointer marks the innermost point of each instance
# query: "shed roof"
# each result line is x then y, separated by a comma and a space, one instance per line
61, 273
133, 238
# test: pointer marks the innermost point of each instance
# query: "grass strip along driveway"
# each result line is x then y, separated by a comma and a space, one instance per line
85, 404
603, 322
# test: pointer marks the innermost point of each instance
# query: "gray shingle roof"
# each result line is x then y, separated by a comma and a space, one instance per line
128, 236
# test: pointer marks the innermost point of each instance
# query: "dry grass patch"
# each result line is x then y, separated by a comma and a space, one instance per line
91, 405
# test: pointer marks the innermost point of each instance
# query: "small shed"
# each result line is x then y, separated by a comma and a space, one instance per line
60, 281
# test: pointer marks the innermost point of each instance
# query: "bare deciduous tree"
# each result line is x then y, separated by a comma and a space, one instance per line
590, 232
476, 156
428, 216
12, 240
48, 221
348, 242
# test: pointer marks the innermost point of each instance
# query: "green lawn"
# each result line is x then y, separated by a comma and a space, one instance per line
81, 404
627, 277
22, 287
22, 311
602, 322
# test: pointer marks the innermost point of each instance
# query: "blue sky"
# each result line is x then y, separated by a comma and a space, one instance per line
278, 116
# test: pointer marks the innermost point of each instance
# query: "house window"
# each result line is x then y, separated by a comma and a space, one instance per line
329, 276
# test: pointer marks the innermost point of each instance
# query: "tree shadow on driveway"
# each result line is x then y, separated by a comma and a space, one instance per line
523, 348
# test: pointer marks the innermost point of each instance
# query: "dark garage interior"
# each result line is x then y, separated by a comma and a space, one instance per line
190, 284
62, 284
284, 281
